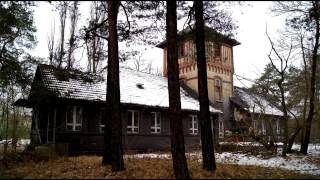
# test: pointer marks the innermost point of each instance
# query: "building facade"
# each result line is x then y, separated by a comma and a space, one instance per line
69, 108
220, 69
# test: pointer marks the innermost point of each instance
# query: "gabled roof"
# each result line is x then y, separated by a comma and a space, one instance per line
210, 35
254, 102
135, 87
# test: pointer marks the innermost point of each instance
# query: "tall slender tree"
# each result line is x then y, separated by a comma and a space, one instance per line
304, 16
315, 17
113, 91
63, 9
177, 139
280, 81
74, 16
205, 125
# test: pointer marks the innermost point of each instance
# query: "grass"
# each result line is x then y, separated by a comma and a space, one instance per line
89, 167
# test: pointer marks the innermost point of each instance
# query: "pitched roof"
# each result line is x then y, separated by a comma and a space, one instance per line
135, 87
211, 35
254, 102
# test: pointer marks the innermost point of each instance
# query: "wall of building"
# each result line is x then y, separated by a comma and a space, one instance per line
218, 67
91, 139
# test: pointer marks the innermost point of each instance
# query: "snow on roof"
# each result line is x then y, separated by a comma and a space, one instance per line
256, 103
135, 87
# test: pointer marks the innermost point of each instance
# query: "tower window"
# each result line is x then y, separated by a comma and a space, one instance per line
217, 51
181, 50
218, 90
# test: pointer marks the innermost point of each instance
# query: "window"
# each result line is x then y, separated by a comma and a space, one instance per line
133, 122
217, 50
155, 122
193, 125
74, 118
221, 129
102, 119
263, 127
278, 126
254, 122
181, 50
218, 90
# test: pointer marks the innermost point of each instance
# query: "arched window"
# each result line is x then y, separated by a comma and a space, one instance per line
218, 90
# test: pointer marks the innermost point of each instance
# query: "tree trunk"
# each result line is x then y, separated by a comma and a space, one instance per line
205, 125
63, 15
113, 90
73, 20
306, 91
304, 145
14, 130
180, 166
5, 148
291, 139
285, 116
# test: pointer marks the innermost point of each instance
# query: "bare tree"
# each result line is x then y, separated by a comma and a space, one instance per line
281, 71
62, 8
94, 42
51, 41
305, 15
74, 16
315, 17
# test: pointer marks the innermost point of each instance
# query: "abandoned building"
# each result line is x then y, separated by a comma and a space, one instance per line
253, 114
68, 105
221, 91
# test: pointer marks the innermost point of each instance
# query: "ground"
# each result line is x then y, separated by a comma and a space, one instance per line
231, 164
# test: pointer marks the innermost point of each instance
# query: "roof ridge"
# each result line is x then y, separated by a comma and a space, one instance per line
149, 74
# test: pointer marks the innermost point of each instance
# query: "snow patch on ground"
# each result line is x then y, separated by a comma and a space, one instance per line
21, 142
294, 162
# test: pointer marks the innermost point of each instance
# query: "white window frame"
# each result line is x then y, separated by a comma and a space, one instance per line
157, 118
74, 123
194, 120
131, 129
221, 128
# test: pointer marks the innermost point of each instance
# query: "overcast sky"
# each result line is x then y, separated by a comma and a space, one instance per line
250, 57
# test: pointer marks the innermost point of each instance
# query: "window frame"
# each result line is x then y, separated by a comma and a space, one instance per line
254, 125
194, 120
157, 118
263, 127
218, 88
278, 130
217, 51
74, 124
221, 128
131, 128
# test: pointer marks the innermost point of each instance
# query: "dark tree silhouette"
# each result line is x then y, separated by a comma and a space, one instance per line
113, 93
177, 139
205, 125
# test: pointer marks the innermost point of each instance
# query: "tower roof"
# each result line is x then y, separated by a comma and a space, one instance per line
210, 34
